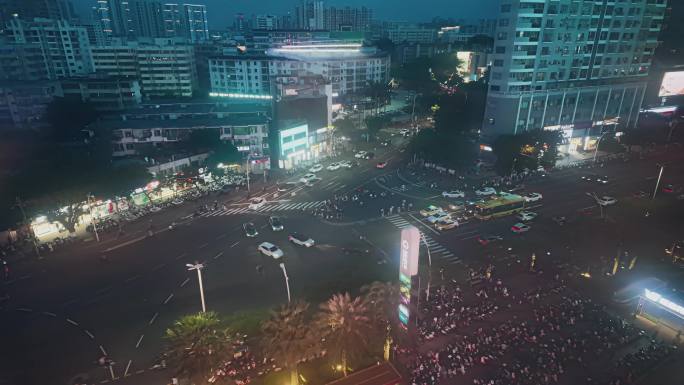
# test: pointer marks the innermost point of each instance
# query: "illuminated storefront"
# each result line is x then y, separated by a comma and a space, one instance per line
661, 310
294, 145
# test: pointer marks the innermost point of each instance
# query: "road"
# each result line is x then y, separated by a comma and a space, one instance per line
71, 308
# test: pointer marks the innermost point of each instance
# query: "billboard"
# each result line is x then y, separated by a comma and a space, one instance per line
410, 244
673, 84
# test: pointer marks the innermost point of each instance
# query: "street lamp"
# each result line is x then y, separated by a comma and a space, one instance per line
247, 170
198, 266
287, 282
427, 293
598, 202
92, 219
597, 145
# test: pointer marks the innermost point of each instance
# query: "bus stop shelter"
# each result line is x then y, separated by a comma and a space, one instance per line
383, 374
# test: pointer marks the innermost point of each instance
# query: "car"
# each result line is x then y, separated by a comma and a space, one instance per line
533, 197
453, 194
520, 228
404, 131
595, 178
250, 229
606, 200
601, 179
345, 164
360, 154
256, 203
300, 239
271, 250
485, 191
560, 220
526, 216
446, 224
386, 143
381, 165
668, 188
316, 168
484, 240
333, 167
369, 155
430, 210
276, 223
307, 178
438, 216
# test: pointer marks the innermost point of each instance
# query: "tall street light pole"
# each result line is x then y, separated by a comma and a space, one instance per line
247, 171
92, 219
597, 146
660, 174
287, 282
198, 266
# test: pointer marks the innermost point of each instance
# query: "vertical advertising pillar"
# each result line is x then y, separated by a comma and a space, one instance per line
408, 268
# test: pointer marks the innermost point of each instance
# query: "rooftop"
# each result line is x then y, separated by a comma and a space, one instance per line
180, 123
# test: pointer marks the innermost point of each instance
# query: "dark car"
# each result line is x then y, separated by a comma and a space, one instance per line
276, 224
487, 239
250, 229
369, 155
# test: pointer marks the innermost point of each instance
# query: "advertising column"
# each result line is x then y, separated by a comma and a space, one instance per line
408, 268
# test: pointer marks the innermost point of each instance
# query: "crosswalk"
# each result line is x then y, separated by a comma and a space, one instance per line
269, 207
435, 247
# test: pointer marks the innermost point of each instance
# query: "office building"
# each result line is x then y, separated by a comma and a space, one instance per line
240, 24
104, 93
267, 22
347, 19
66, 48
164, 67
403, 32
348, 67
309, 14
579, 67
31, 9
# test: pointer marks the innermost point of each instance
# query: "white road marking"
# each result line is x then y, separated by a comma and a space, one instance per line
25, 310
103, 350
50, 314
159, 266
203, 245
154, 317
234, 244
218, 255
137, 345
168, 298
69, 320
133, 278
92, 337
184, 282
128, 366
221, 236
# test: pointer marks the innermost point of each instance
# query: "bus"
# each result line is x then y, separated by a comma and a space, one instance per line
499, 206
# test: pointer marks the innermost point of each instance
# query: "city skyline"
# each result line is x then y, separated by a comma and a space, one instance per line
408, 11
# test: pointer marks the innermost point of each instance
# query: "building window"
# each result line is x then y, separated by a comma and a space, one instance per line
498, 63
494, 88
502, 36
505, 8
503, 22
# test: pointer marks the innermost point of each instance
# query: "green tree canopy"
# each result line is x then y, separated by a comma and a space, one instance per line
204, 140
225, 153
526, 151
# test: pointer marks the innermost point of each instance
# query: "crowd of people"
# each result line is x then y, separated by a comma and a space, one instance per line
551, 330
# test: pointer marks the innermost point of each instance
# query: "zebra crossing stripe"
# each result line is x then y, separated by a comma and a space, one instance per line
309, 205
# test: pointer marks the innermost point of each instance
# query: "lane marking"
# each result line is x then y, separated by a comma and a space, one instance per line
203, 245
25, 309
181, 256
159, 266
137, 345
50, 314
128, 366
154, 317
92, 337
234, 244
218, 255
102, 291
133, 278
69, 320
221, 236
103, 350
185, 282
168, 298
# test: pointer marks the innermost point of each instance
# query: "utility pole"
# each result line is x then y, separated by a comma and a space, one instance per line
20, 204
287, 282
247, 171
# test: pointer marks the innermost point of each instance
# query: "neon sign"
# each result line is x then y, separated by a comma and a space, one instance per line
667, 304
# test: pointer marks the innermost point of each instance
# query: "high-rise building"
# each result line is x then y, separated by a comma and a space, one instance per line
22, 62
152, 18
268, 22
31, 9
66, 48
186, 20
240, 24
309, 14
404, 32
347, 19
579, 67
164, 67
23, 103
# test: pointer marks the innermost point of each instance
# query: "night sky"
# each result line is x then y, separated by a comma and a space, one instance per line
221, 12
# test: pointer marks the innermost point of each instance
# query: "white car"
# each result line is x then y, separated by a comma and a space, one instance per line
271, 250
345, 164
333, 167
485, 191
316, 168
307, 178
527, 216
446, 224
360, 154
442, 215
430, 210
301, 240
256, 203
606, 200
533, 197
520, 228
453, 194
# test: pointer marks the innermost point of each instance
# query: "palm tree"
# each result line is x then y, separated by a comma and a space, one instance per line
345, 327
197, 344
382, 299
287, 338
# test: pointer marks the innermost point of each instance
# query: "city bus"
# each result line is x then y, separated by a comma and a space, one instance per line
499, 206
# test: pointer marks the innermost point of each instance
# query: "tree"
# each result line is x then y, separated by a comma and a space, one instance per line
225, 153
376, 123
345, 328
68, 117
526, 151
379, 93
197, 344
382, 298
451, 149
287, 338
204, 140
